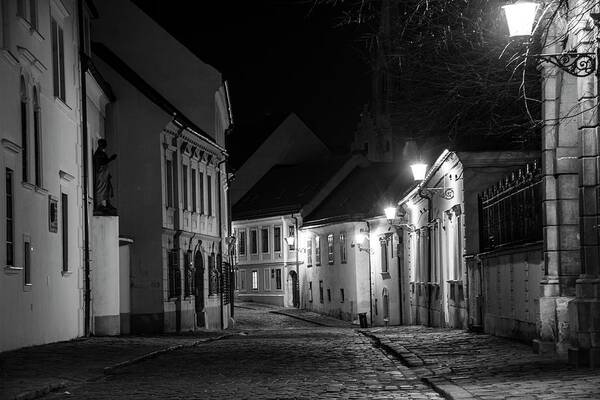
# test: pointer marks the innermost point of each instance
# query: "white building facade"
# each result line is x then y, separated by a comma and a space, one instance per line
41, 203
267, 262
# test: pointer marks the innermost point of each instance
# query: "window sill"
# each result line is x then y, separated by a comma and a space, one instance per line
41, 190
28, 287
386, 275
12, 270
62, 105
66, 273
28, 185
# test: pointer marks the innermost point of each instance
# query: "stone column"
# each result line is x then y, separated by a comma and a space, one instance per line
560, 152
584, 311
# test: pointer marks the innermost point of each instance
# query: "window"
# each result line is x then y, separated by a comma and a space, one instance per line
201, 185
267, 275
188, 278
317, 250
383, 242
330, 249
242, 280
194, 194
10, 229
170, 188
52, 214
253, 242
321, 292
342, 295
255, 280
58, 60
277, 238
242, 244
292, 233
209, 194
278, 279
174, 274
27, 261
264, 240
37, 138
184, 182
24, 132
64, 210
27, 9
309, 253
328, 295
343, 256
213, 282
310, 295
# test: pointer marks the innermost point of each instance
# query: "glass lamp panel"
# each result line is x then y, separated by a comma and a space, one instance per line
520, 17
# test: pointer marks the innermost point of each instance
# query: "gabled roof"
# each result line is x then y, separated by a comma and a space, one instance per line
364, 193
285, 189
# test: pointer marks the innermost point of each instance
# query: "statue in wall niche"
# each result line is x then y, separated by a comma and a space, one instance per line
103, 189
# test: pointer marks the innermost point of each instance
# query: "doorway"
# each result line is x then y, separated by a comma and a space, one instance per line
295, 289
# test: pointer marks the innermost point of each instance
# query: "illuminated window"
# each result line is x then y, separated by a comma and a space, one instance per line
254, 280
317, 250
330, 249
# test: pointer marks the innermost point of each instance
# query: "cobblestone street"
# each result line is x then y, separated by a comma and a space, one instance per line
276, 353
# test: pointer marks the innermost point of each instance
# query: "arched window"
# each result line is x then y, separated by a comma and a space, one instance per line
37, 138
24, 130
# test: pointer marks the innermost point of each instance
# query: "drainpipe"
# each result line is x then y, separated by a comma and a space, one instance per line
370, 277
83, 61
221, 238
297, 262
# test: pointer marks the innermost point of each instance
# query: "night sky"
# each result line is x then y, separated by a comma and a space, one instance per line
278, 56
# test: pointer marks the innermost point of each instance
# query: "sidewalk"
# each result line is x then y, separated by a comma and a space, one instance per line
465, 365
34, 371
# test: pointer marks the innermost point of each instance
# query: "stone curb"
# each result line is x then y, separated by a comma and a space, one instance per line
299, 317
37, 393
110, 370
440, 384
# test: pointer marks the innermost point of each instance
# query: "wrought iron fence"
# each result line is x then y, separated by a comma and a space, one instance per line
510, 212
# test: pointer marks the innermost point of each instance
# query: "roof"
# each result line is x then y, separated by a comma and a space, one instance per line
285, 189
111, 59
364, 193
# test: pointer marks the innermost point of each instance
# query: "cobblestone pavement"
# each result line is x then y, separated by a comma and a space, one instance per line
309, 363
470, 365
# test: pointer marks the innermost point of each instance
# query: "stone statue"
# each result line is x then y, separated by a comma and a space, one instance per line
103, 189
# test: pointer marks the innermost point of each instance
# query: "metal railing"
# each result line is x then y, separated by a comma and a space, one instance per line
510, 212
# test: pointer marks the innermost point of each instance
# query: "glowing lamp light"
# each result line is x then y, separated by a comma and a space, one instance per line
418, 171
360, 238
520, 17
390, 213
290, 241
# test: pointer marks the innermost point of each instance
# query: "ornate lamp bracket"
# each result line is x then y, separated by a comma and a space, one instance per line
444, 193
573, 63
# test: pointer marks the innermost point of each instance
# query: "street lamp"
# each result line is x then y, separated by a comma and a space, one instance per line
419, 170
520, 17
390, 213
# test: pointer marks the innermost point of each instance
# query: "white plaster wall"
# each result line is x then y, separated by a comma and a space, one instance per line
51, 309
105, 275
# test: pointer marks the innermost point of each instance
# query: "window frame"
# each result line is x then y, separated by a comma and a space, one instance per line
309, 258
264, 242
253, 241
277, 239
194, 189
64, 229
278, 279
170, 192
343, 248
242, 242
330, 249
317, 250
184, 184
58, 59
321, 292
10, 221
37, 139
254, 275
